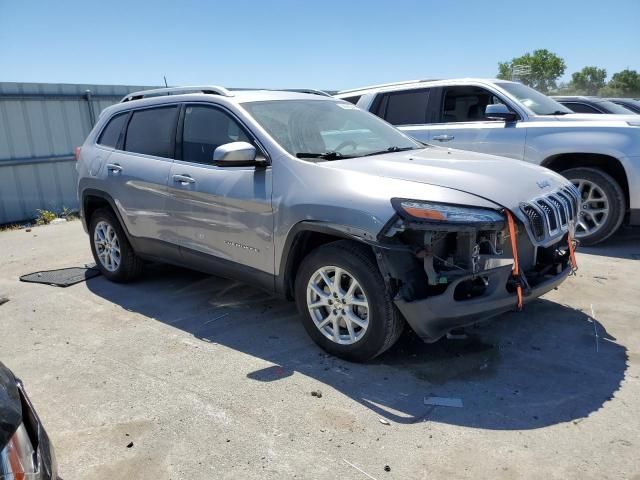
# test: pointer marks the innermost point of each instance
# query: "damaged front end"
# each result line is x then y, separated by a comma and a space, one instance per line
450, 266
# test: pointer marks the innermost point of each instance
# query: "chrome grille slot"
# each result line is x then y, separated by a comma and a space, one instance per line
560, 209
550, 215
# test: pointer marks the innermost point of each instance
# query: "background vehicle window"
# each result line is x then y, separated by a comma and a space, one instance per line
152, 131
205, 129
111, 133
406, 108
466, 104
580, 107
353, 100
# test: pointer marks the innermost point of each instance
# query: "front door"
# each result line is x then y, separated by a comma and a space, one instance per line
219, 211
461, 123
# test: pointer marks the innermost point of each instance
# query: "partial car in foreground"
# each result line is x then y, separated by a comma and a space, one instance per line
316, 200
587, 104
600, 154
25, 450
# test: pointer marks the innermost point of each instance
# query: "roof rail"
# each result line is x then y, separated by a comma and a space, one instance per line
311, 91
156, 92
386, 85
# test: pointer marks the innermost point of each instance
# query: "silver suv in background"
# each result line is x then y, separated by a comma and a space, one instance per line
316, 200
600, 154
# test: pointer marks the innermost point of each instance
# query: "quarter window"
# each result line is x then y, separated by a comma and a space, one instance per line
353, 100
205, 129
152, 131
111, 133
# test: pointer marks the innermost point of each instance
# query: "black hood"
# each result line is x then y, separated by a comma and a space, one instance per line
10, 405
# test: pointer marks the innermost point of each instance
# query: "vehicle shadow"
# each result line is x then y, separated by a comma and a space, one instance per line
522, 371
624, 244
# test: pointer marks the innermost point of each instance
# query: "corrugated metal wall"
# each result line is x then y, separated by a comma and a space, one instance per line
40, 126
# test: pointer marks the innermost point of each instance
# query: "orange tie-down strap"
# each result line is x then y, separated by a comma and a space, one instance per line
572, 252
516, 273
516, 265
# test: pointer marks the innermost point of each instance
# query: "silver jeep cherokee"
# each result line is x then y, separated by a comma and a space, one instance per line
319, 201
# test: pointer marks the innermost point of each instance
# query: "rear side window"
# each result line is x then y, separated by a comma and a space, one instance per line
111, 133
580, 107
205, 129
405, 108
152, 131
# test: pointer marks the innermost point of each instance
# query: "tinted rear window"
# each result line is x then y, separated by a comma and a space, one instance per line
152, 131
111, 133
406, 108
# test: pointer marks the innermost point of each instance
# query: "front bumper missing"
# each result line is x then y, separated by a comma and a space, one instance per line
431, 318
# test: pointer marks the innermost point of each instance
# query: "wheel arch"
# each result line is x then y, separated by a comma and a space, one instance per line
607, 163
303, 238
93, 200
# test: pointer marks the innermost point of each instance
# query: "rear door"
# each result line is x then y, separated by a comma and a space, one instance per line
138, 169
407, 110
460, 122
219, 211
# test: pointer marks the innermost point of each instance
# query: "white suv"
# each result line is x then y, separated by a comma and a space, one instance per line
600, 154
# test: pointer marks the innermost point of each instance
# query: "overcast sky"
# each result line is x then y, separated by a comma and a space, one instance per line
315, 44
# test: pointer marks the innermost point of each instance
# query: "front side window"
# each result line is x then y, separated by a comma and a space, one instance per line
152, 131
111, 133
407, 107
205, 129
327, 129
466, 104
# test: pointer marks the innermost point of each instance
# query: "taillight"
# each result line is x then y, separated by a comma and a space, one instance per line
77, 153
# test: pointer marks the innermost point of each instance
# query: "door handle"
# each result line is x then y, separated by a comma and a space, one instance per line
114, 167
183, 179
444, 138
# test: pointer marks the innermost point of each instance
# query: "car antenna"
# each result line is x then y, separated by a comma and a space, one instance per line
165, 81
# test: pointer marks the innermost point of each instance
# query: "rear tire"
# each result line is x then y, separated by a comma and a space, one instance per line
362, 332
602, 194
111, 250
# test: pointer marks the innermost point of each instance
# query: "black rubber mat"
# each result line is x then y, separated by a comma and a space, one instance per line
64, 277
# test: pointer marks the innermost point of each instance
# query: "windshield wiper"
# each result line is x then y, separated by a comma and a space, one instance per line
324, 156
558, 112
389, 150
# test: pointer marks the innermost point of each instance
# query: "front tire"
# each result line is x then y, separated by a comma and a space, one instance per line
111, 250
603, 204
344, 302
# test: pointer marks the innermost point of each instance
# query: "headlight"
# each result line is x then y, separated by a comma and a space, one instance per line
18, 458
445, 213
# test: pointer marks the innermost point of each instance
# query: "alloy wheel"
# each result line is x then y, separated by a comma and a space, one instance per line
337, 304
107, 245
594, 208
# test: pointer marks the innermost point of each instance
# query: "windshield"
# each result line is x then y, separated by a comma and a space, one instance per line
327, 129
615, 108
535, 101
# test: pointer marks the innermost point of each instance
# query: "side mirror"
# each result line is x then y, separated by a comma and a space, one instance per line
235, 154
499, 111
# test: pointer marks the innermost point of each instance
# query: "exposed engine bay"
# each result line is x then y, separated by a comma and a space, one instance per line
422, 259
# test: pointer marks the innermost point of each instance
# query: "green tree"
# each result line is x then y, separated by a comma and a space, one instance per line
623, 84
544, 69
588, 81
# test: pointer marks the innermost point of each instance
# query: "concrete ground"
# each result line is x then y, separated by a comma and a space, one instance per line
212, 379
